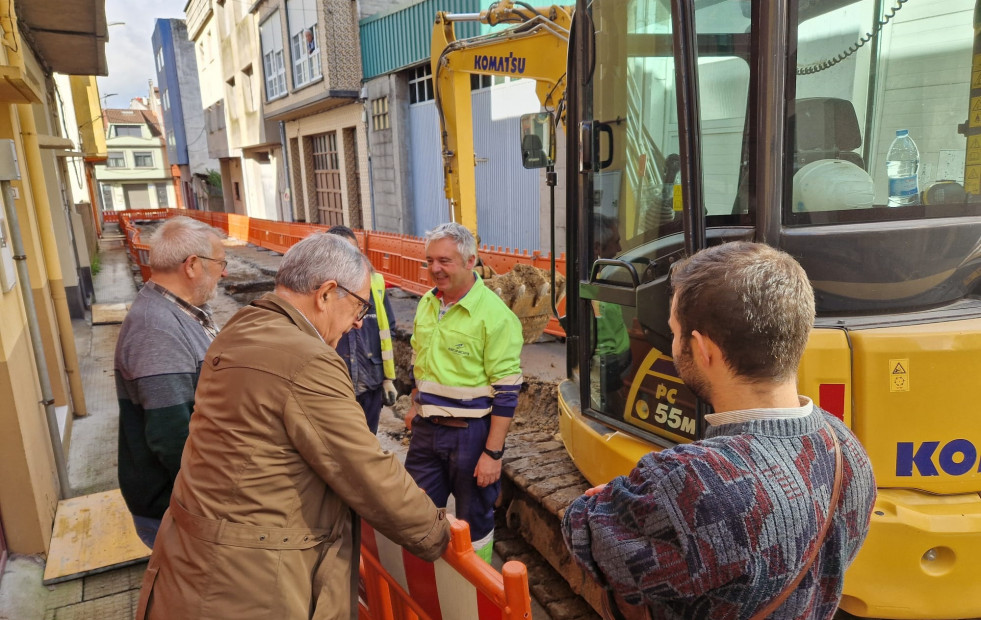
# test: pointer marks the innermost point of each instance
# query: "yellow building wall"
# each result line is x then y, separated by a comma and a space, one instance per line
10, 129
28, 483
29, 487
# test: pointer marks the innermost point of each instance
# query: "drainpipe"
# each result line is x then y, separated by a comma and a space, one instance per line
289, 212
366, 123
30, 309
42, 210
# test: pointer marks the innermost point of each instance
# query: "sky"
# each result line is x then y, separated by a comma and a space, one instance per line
129, 52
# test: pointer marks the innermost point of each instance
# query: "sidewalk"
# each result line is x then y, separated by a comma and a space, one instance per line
113, 595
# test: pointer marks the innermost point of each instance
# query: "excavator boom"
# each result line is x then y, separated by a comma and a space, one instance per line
535, 48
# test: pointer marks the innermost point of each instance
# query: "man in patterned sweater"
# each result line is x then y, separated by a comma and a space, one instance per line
158, 358
720, 527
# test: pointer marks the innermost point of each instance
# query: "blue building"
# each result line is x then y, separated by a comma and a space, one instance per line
183, 114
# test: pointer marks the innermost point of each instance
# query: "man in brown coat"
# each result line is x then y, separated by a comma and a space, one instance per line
261, 522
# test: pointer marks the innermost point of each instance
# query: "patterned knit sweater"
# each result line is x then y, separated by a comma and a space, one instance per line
717, 528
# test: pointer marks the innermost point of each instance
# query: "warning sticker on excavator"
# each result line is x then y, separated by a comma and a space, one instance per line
974, 150
976, 79
975, 120
972, 179
899, 375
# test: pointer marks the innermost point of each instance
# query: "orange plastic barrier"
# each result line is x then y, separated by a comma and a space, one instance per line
396, 584
136, 215
400, 258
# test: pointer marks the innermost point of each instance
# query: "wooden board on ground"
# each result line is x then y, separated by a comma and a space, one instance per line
107, 314
92, 534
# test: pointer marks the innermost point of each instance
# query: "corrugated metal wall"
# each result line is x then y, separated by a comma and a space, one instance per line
401, 38
429, 204
507, 194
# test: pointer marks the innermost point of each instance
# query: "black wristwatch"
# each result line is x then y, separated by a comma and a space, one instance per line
494, 454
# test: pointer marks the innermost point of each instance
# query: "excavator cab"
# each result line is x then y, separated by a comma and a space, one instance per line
696, 123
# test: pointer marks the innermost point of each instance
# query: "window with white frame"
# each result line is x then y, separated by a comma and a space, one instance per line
271, 39
107, 198
421, 84
163, 200
116, 159
143, 159
301, 17
129, 131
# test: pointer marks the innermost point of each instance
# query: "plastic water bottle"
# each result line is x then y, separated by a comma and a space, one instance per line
902, 162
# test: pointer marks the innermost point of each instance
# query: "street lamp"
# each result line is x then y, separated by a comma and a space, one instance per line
104, 97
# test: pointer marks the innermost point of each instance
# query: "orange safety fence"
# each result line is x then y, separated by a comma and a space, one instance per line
400, 258
112, 217
397, 585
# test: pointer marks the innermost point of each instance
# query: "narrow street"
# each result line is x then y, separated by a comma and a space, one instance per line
113, 594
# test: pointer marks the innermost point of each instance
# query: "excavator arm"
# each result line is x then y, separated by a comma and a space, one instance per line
535, 48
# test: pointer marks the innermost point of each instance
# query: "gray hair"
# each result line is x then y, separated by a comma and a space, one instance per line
321, 257
465, 242
176, 239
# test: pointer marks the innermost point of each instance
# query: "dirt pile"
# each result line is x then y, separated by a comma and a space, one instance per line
526, 290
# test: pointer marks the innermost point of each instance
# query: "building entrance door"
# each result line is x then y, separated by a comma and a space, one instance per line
137, 195
327, 179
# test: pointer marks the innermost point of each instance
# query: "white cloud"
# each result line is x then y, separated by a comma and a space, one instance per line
129, 52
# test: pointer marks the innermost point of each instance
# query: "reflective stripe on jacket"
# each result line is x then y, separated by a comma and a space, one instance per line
384, 329
467, 363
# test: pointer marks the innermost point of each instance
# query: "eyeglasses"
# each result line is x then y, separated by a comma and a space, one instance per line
365, 305
223, 263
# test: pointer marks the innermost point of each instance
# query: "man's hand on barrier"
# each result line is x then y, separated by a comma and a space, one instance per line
388, 388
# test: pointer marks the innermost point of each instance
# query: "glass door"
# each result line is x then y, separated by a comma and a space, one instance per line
632, 205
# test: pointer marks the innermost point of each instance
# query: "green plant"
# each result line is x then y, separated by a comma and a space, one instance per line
95, 265
214, 178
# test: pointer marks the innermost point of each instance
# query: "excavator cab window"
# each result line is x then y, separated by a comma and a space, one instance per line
632, 199
537, 140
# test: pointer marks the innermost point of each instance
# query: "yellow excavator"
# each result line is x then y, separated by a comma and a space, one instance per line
535, 48
693, 123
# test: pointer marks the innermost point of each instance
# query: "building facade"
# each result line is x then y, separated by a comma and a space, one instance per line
404, 135
182, 113
40, 383
136, 174
246, 144
311, 83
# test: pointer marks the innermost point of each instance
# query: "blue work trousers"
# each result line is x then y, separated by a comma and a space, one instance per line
442, 460
371, 402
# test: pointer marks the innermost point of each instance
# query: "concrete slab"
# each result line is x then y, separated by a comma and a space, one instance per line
105, 314
93, 533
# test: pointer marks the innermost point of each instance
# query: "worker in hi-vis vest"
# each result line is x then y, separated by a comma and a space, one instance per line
368, 351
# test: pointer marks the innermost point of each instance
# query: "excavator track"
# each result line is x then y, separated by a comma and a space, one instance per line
540, 481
